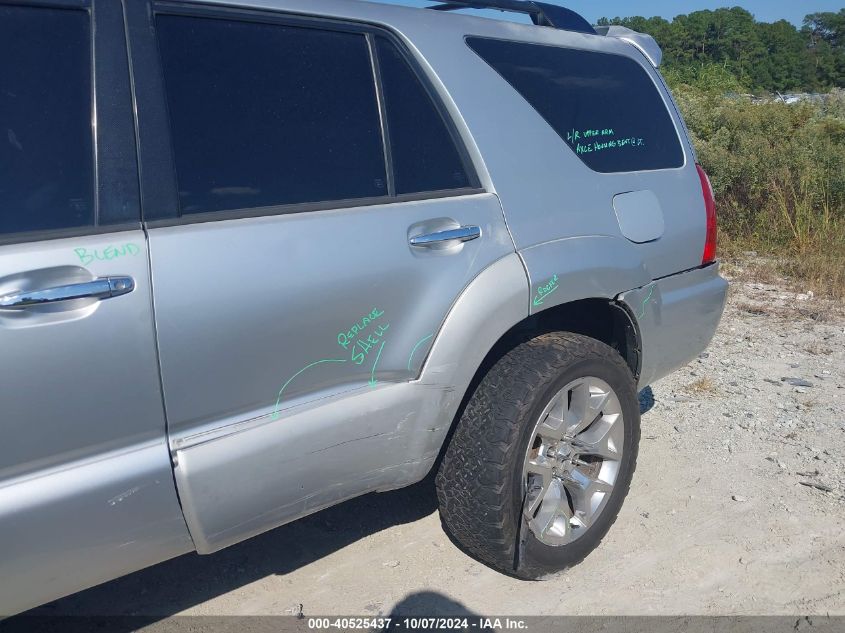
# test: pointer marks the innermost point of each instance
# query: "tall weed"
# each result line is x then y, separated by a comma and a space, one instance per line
778, 172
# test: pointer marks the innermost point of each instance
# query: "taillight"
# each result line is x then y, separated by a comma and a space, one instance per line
709, 254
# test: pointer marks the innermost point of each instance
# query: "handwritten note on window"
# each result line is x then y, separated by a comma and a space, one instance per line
590, 141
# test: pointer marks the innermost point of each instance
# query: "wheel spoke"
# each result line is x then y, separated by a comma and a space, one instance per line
553, 426
604, 438
588, 495
588, 400
552, 520
539, 474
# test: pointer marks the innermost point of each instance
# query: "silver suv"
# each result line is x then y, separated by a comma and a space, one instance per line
258, 257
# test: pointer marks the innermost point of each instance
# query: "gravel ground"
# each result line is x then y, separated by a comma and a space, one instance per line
737, 507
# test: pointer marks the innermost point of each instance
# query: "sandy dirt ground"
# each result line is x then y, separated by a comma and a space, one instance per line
736, 508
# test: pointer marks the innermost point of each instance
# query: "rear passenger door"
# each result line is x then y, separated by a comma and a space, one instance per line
86, 489
323, 218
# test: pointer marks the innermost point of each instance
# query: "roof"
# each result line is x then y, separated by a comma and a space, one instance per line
416, 23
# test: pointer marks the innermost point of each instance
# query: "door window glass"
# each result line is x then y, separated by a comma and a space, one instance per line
605, 107
267, 114
46, 136
425, 157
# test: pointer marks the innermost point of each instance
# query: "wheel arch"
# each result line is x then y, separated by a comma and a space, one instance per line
599, 318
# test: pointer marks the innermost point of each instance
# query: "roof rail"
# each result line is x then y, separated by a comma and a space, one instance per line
542, 13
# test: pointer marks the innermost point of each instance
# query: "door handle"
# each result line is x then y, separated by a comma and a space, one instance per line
461, 234
101, 288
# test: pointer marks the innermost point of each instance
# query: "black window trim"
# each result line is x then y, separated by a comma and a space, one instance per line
50, 4
25, 237
382, 116
310, 207
159, 192
671, 109
104, 44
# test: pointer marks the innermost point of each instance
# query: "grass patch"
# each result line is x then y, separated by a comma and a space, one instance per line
819, 311
818, 349
701, 387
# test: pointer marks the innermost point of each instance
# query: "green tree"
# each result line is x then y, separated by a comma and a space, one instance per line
826, 35
762, 56
786, 64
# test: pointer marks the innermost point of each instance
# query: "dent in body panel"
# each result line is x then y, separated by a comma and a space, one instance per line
323, 451
119, 507
677, 317
582, 268
317, 454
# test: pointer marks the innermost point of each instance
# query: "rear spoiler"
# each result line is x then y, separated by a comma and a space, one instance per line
643, 42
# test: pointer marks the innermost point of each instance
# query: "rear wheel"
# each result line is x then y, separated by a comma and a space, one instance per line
542, 456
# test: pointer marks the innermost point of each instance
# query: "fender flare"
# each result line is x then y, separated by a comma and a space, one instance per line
489, 306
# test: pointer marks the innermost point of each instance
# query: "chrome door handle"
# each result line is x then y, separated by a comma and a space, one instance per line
101, 288
461, 234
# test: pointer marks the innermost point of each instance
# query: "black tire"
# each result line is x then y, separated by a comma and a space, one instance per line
480, 480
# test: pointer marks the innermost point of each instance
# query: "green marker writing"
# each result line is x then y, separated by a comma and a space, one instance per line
275, 415
645, 301
373, 380
414, 350
545, 291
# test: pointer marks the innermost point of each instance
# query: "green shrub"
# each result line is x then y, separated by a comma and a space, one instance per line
778, 171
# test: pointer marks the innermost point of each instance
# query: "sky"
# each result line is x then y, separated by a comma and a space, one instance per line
763, 10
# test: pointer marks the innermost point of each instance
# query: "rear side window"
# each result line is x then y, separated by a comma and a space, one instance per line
46, 136
266, 114
605, 107
424, 154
